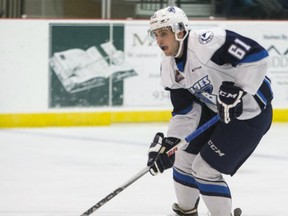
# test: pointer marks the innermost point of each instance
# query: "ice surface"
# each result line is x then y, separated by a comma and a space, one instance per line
65, 171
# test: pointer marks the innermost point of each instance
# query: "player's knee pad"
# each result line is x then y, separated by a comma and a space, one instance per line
202, 170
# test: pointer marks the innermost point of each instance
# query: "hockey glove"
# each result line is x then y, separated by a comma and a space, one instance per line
158, 160
229, 102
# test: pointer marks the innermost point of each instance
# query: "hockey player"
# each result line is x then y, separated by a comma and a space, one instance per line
208, 72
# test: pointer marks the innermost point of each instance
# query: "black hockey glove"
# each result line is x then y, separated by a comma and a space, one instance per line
158, 160
229, 102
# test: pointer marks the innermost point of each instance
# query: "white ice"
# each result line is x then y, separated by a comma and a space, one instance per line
65, 171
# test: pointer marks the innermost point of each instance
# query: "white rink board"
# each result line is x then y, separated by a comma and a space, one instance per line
24, 68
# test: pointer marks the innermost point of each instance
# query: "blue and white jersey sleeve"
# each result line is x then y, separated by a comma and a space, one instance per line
247, 56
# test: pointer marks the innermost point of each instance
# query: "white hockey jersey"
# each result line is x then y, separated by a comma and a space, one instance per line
211, 57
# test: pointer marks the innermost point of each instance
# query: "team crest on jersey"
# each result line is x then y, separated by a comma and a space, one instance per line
203, 89
206, 37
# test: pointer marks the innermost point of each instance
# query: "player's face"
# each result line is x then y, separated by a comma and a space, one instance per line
166, 41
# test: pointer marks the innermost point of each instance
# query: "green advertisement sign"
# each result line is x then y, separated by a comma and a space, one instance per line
87, 65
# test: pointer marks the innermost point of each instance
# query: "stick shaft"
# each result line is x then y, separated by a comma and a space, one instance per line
116, 192
194, 134
202, 128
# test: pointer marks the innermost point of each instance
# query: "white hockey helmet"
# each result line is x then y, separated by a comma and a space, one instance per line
172, 17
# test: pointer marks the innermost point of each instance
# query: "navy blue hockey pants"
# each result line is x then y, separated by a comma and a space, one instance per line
226, 147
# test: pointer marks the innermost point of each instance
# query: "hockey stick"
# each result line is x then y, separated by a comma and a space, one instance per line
141, 173
115, 192
195, 134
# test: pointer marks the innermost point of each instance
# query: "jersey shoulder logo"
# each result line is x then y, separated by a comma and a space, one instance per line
206, 37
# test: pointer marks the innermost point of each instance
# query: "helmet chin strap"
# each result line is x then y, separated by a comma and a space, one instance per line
181, 40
